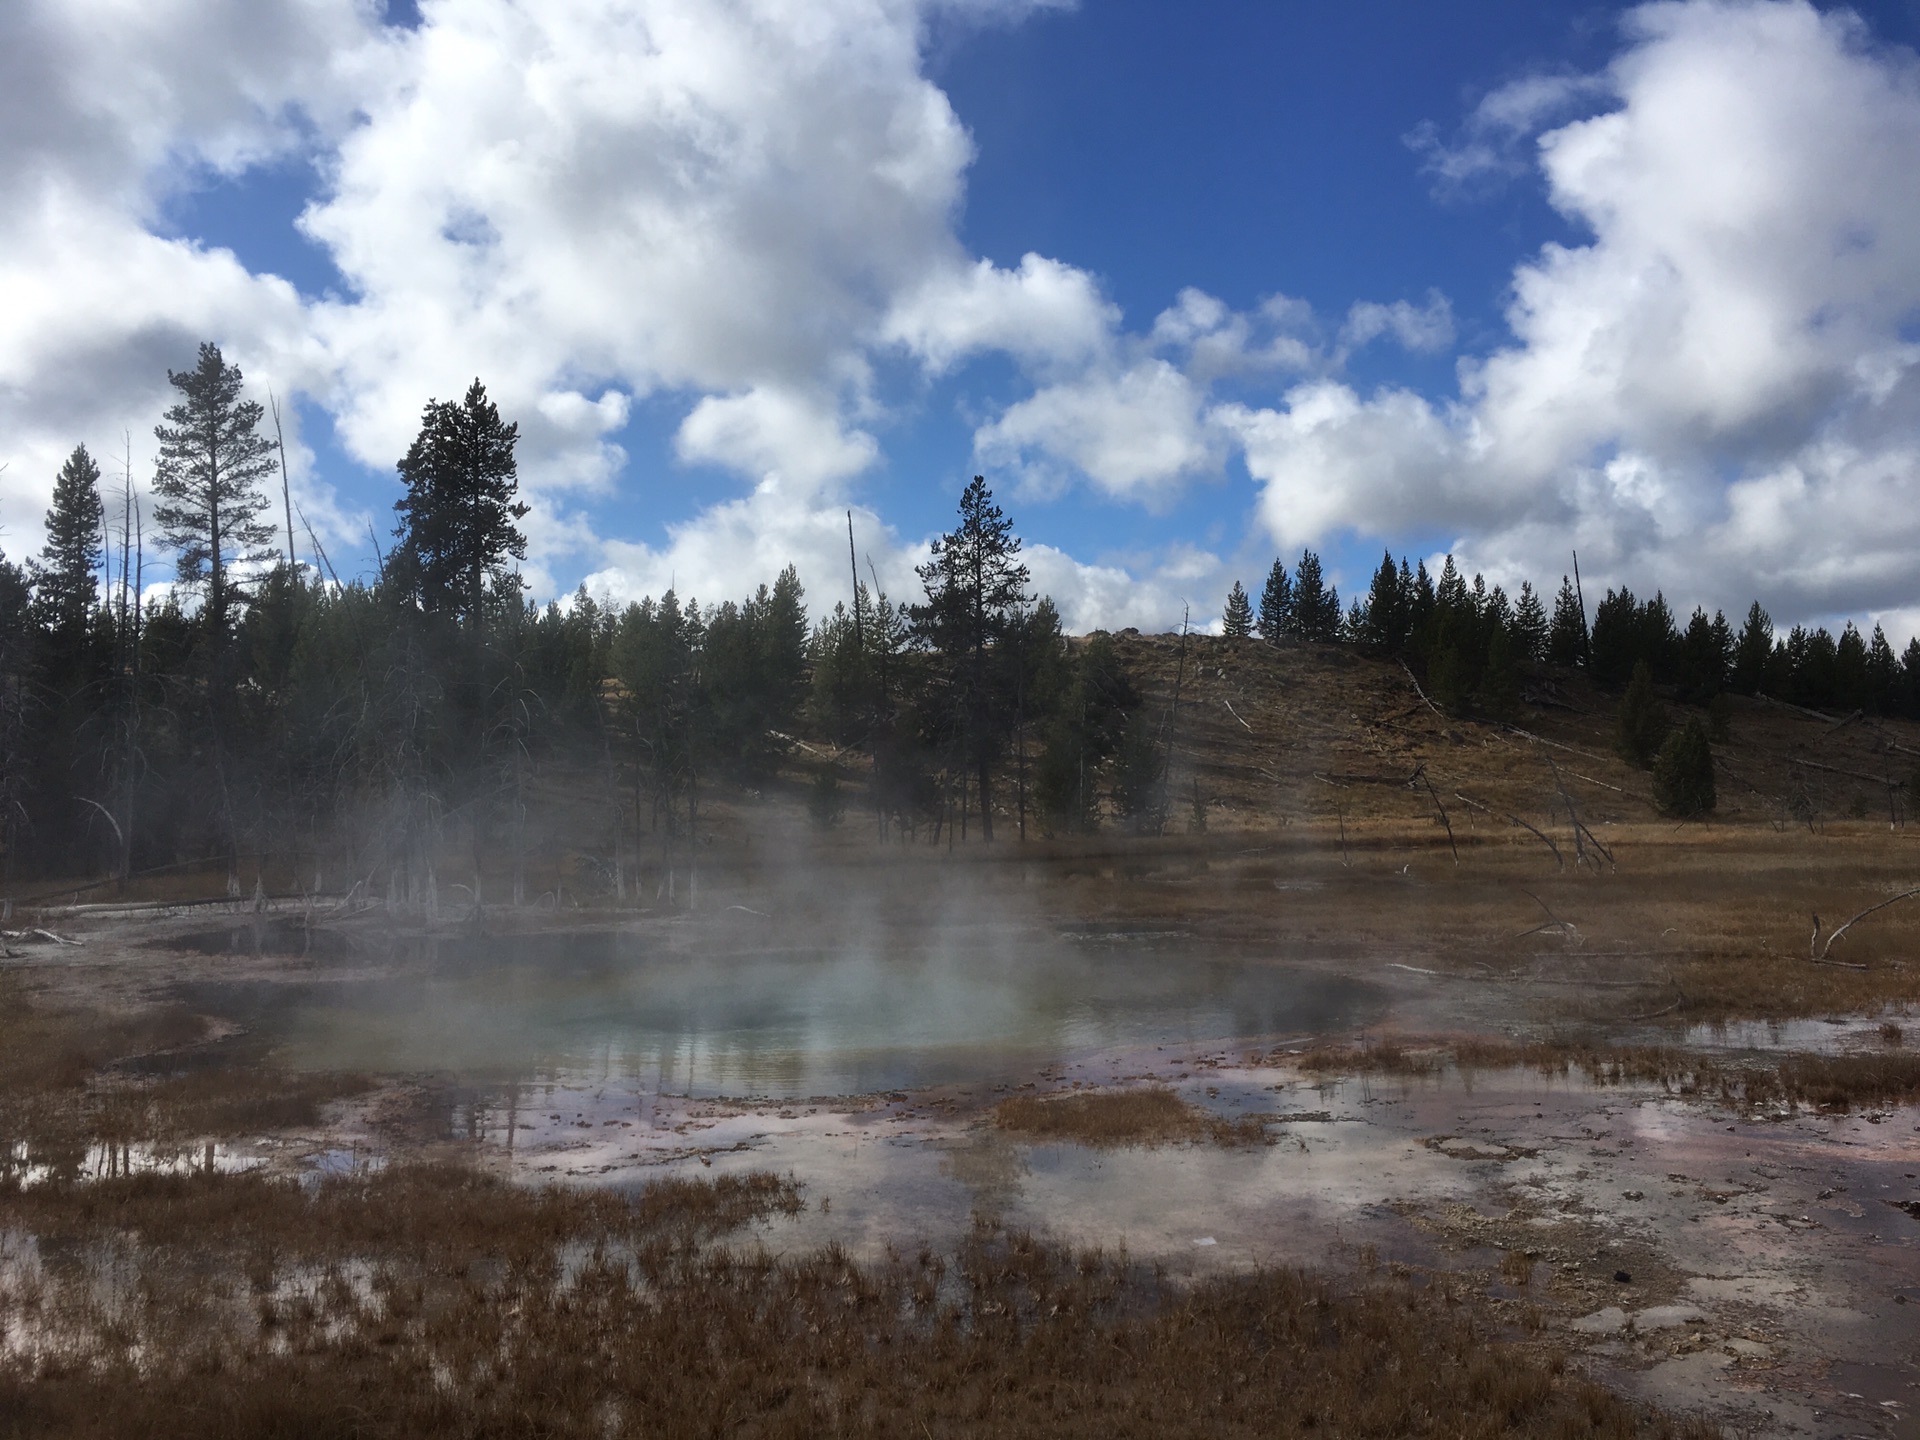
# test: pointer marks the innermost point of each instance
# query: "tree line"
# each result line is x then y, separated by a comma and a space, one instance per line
1471, 642
373, 726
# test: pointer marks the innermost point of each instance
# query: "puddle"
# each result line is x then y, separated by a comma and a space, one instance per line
26, 1164
1825, 1037
278, 937
789, 1023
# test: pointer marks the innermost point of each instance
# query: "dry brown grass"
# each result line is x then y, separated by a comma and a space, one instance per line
46, 1050
1150, 1116
64, 1082
437, 1303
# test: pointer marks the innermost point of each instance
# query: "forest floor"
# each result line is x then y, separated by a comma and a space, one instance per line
1607, 1108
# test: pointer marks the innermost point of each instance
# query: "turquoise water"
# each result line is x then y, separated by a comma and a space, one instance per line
772, 1021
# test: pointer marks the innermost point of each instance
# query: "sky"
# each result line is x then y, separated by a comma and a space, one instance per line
1193, 286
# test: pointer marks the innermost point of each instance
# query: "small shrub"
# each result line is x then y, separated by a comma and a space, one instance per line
824, 803
1498, 697
1643, 722
1449, 678
1683, 773
1720, 718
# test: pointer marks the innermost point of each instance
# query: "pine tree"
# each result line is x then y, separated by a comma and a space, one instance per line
1316, 609
1276, 605
1683, 785
1567, 634
975, 584
16, 689
1852, 688
1420, 598
1530, 630
1618, 641
1753, 652
457, 519
1883, 674
211, 466
1388, 611
1642, 724
1238, 617
64, 577
1704, 658
1498, 697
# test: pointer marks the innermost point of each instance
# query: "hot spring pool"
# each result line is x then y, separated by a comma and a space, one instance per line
768, 1021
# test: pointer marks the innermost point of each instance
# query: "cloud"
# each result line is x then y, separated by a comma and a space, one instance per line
773, 432
1329, 460
728, 548
1048, 314
746, 212
1423, 329
105, 111
1495, 142
1716, 391
1133, 418
1137, 434
736, 207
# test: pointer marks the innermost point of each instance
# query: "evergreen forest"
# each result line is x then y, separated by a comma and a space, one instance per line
270, 714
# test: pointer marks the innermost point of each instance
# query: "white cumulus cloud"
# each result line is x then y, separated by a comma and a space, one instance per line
1716, 391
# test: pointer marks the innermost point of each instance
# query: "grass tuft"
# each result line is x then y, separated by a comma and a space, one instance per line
433, 1302
1151, 1116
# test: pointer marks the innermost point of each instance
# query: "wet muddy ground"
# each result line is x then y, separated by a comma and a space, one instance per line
1762, 1267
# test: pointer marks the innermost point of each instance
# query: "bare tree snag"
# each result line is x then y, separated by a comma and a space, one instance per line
1420, 774
1421, 693
1580, 828
1821, 957
1544, 839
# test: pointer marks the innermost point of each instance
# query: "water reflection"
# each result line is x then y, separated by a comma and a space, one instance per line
797, 1021
28, 1163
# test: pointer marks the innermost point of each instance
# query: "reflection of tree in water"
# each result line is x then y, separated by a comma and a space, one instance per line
808, 1021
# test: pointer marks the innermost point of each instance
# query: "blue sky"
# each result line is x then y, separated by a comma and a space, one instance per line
1192, 285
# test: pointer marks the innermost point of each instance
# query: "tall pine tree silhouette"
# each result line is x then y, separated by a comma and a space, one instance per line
458, 517
64, 590
976, 585
212, 462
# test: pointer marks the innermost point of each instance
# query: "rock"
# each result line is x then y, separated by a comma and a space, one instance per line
1610, 1321
1621, 1277
1666, 1317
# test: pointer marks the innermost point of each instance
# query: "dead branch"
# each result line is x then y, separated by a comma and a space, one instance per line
1721, 767
1822, 956
117, 835
1515, 819
1421, 693
1571, 750
1797, 709
1580, 827
1569, 932
1680, 998
1397, 782
1420, 773
1236, 714
1840, 725
1850, 774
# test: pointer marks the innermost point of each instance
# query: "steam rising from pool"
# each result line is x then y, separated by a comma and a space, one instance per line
771, 1021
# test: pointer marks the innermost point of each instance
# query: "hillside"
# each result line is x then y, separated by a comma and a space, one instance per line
1275, 736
